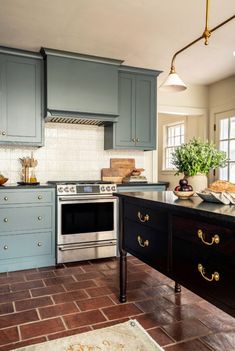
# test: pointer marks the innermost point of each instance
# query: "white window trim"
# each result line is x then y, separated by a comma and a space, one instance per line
165, 126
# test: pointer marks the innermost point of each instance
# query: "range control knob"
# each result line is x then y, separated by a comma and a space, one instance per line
66, 189
113, 188
108, 188
102, 188
72, 189
60, 189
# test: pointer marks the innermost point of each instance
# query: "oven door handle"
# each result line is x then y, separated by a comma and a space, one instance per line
87, 198
86, 246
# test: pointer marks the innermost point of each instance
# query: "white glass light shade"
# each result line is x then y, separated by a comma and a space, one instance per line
173, 83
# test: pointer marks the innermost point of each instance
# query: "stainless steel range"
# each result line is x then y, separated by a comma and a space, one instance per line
86, 220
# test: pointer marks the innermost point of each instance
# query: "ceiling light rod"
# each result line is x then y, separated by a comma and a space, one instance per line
196, 40
173, 83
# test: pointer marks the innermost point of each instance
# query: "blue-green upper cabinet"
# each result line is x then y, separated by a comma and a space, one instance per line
20, 97
80, 84
136, 126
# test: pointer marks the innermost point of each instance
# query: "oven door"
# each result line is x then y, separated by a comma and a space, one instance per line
84, 220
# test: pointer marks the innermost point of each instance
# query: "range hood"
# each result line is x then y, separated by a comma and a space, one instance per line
54, 116
80, 89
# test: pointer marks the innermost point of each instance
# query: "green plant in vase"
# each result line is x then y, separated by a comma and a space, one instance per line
197, 157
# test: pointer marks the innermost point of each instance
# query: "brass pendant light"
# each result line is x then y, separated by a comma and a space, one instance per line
173, 83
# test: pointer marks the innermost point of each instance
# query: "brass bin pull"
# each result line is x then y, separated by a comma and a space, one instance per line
142, 243
215, 276
214, 240
143, 218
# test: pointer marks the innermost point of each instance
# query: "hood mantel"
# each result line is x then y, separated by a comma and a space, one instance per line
80, 88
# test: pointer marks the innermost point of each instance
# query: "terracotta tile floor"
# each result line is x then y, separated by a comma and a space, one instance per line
47, 303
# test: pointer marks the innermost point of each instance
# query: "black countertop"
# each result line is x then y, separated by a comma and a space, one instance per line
193, 205
142, 184
28, 186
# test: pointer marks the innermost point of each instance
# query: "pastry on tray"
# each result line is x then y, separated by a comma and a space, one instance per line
222, 186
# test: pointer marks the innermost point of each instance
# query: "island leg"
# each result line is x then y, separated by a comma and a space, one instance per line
123, 276
177, 287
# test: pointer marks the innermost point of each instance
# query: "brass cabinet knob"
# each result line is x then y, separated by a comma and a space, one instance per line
214, 240
4, 133
39, 243
39, 197
39, 218
5, 220
137, 140
5, 247
133, 139
214, 276
5, 198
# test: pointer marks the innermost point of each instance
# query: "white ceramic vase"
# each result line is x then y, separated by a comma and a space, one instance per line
199, 182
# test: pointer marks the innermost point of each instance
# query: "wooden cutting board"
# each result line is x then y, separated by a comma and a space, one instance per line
122, 163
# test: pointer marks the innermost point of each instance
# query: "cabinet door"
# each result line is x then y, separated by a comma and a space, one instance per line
125, 128
145, 112
20, 119
81, 86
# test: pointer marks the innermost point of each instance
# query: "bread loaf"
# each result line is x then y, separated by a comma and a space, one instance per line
222, 185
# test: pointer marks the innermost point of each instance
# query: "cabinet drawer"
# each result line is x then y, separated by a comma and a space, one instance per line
185, 266
150, 245
25, 218
146, 216
25, 245
213, 238
25, 196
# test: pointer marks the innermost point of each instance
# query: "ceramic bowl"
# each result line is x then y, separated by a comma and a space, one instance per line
183, 195
3, 180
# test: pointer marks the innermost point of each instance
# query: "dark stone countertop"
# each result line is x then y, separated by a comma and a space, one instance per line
28, 186
193, 205
143, 184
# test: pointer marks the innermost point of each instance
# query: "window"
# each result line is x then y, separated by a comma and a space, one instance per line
174, 137
226, 142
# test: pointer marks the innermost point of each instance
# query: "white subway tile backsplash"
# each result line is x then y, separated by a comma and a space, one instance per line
71, 152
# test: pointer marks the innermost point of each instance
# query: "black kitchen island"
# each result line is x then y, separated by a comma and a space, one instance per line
190, 241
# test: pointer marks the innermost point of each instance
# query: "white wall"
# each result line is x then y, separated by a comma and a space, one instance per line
221, 99
71, 152
194, 100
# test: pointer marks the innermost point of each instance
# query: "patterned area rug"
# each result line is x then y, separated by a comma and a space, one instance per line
128, 336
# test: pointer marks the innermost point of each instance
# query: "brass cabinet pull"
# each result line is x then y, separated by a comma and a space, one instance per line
137, 140
39, 243
5, 247
215, 276
215, 239
143, 218
39, 218
39, 197
134, 140
4, 133
5, 220
5, 198
142, 243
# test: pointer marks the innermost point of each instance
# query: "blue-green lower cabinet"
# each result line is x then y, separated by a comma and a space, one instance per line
136, 125
20, 98
27, 229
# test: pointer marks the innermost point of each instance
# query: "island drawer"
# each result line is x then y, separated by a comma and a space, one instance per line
214, 238
148, 244
13, 219
25, 245
206, 272
146, 216
19, 196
